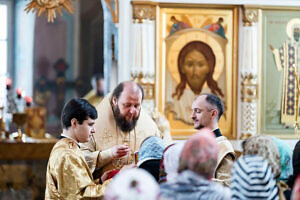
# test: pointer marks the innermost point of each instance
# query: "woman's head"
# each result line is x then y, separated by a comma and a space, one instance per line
264, 146
196, 64
132, 184
252, 178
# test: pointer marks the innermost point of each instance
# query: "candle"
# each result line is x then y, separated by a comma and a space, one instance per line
19, 93
8, 83
28, 101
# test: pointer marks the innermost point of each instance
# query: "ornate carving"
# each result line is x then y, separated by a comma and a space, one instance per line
49, 7
249, 122
147, 83
113, 6
250, 16
143, 12
249, 105
249, 88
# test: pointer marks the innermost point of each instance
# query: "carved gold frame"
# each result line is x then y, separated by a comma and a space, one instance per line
180, 130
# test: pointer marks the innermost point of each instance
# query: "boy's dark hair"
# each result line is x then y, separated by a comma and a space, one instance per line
77, 108
119, 89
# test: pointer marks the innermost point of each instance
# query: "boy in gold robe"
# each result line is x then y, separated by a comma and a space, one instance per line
68, 175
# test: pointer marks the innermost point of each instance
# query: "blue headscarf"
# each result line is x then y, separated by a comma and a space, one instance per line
285, 159
151, 149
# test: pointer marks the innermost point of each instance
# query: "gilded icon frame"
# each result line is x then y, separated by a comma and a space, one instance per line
180, 129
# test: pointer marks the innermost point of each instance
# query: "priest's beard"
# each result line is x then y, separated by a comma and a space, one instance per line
122, 123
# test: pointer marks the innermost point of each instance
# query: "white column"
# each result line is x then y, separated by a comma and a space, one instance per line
248, 69
24, 40
125, 50
143, 49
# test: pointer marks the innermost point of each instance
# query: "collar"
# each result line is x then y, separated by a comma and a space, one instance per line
217, 132
65, 136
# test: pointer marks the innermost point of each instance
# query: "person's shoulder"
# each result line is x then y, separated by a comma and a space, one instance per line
225, 147
65, 147
221, 191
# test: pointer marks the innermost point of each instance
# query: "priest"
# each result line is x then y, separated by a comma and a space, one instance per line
120, 129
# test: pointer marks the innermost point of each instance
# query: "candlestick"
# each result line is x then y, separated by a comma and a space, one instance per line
8, 83
28, 101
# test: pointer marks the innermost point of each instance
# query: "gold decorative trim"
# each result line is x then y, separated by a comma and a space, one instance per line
143, 12
250, 16
249, 88
148, 86
114, 9
49, 7
245, 136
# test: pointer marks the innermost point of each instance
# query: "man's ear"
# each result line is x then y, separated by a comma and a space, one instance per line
74, 122
214, 113
114, 101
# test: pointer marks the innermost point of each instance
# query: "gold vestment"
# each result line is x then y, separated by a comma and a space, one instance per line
225, 161
68, 176
98, 150
92, 98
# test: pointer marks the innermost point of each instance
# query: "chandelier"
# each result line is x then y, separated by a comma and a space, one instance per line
49, 7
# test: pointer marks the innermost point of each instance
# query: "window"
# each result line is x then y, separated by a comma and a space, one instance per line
5, 45
3, 39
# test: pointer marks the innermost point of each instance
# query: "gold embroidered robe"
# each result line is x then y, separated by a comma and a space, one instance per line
92, 98
68, 176
225, 161
98, 150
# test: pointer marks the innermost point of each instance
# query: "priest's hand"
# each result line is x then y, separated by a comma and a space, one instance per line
119, 151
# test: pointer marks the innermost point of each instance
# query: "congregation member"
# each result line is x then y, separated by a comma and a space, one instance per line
68, 175
132, 184
207, 110
120, 130
296, 165
296, 190
264, 146
170, 162
197, 164
150, 155
252, 178
286, 164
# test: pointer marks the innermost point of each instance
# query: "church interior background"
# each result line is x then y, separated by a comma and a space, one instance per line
43, 64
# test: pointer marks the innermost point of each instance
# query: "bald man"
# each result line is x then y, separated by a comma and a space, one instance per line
120, 128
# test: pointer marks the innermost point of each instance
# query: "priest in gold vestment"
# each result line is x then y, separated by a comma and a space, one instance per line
120, 129
68, 175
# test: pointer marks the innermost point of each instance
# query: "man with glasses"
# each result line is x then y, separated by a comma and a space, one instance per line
206, 112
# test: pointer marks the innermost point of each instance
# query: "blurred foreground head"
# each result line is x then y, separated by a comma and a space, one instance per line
200, 154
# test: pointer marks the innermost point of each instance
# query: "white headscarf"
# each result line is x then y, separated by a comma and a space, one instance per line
171, 160
132, 184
